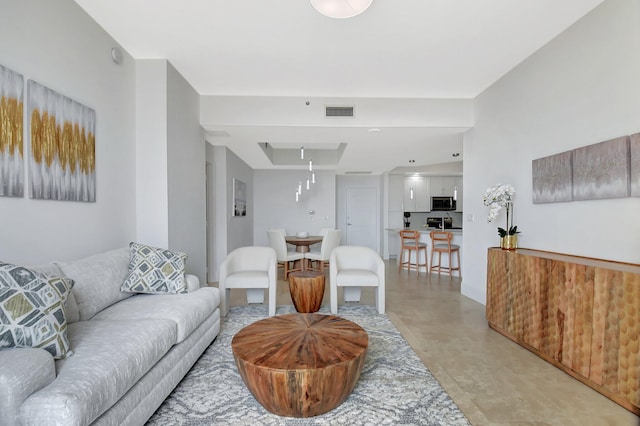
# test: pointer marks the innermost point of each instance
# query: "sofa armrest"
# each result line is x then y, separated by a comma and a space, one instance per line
193, 282
23, 371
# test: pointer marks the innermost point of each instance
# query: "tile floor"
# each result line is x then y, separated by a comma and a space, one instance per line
493, 380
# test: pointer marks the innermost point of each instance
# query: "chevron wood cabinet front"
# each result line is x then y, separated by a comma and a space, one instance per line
580, 314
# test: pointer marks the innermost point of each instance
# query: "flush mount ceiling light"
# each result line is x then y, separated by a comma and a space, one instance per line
340, 9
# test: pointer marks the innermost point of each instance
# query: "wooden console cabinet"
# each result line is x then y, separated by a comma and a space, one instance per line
580, 314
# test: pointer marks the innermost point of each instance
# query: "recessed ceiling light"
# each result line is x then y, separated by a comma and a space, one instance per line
340, 8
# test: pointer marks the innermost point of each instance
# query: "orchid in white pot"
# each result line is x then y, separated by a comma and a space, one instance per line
498, 197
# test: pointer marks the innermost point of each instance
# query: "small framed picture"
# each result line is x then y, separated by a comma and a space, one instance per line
239, 198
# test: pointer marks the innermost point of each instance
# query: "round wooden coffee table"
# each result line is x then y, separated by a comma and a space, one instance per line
300, 365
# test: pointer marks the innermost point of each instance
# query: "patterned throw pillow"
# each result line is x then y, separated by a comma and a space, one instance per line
154, 270
32, 310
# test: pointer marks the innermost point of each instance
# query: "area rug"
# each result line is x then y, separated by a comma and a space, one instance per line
395, 388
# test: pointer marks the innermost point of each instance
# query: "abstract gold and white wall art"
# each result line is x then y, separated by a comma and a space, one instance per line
552, 178
601, 170
635, 165
62, 135
11, 131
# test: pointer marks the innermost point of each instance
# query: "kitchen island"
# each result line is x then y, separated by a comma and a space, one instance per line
394, 243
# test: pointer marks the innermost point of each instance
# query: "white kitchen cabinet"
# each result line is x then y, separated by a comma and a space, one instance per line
459, 195
442, 186
417, 194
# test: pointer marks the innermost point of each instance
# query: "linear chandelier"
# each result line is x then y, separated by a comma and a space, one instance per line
311, 179
340, 9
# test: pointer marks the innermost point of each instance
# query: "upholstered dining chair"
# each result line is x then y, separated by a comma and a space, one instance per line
353, 267
283, 255
252, 268
281, 230
321, 257
324, 231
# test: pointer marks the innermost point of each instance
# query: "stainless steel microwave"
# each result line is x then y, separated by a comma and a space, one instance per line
443, 204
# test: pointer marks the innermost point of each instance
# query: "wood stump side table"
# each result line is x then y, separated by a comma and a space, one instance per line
300, 365
307, 290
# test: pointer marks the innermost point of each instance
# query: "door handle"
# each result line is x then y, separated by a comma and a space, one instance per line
348, 224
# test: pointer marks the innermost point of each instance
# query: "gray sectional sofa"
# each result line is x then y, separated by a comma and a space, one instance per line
129, 350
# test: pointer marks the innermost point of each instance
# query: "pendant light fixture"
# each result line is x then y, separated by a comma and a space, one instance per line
340, 9
310, 179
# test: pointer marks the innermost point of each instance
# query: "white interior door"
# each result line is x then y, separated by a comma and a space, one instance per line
362, 218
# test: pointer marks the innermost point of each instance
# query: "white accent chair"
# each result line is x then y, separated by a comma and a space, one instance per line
330, 241
253, 268
284, 257
353, 267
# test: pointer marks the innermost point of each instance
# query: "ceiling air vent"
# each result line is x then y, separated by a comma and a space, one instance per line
339, 111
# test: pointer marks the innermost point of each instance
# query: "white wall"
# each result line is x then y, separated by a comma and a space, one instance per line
58, 45
152, 197
581, 88
217, 157
186, 173
291, 110
276, 206
170, 163
239, 228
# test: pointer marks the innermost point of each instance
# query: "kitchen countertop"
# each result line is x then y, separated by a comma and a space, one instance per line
424, 230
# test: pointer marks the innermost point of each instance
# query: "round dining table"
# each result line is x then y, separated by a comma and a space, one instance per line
302, 246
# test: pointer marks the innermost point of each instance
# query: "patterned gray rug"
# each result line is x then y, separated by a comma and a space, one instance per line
395, 388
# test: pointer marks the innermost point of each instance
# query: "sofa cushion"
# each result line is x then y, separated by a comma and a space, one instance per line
98, 279
187, 311
110, 357
32, 310
154, 270
71, 306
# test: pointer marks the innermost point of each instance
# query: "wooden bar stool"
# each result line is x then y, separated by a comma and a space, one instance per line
410, 243
441, 243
